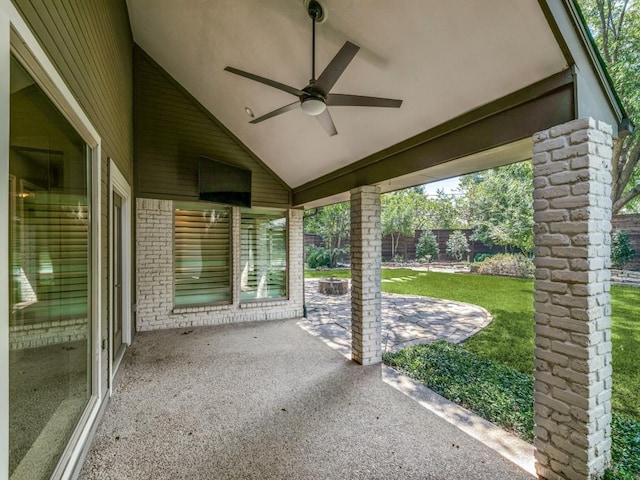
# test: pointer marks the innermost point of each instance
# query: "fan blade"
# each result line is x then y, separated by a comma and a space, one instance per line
332, 72
278, 111
340, 100
327, 123
266, 81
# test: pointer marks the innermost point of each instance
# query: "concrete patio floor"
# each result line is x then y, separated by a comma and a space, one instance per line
270, 401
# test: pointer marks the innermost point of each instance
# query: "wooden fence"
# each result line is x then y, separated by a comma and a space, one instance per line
407, 245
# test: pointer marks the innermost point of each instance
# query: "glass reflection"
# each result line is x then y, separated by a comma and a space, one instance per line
49, 311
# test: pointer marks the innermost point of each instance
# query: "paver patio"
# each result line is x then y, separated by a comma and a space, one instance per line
406, 319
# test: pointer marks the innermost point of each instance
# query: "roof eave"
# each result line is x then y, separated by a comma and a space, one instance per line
625, 125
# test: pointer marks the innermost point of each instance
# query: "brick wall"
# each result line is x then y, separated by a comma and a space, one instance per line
154, 275
572, 204
32, 335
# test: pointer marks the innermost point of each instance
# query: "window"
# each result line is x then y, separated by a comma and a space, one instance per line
202, 269
50, 257
263, 246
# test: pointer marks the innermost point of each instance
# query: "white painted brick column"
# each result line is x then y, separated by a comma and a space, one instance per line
366, 257
572, 186
296, 259
236, 261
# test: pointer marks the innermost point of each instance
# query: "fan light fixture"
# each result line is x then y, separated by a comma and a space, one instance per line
313, 106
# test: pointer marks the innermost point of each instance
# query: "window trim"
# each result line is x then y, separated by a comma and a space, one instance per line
273, 301
5, 57
119, 185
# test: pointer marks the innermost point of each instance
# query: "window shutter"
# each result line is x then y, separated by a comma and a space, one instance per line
202, 255
50, 257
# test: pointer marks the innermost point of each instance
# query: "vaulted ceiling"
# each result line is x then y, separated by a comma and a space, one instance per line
442, 59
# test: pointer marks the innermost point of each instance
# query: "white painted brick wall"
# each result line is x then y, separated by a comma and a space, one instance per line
572, 187
366, 255
154, 275
52, 332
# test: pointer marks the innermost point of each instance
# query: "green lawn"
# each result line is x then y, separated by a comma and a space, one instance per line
509, 338
625, 305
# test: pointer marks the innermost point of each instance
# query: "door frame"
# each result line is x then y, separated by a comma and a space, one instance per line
119, 185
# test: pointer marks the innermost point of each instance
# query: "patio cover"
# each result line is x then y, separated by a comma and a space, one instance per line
477, 79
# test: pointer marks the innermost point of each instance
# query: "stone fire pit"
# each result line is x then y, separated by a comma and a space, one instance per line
333, 286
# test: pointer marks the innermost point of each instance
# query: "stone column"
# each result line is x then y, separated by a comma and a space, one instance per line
366, 251
572, 204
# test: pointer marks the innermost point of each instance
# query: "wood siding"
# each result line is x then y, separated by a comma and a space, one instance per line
90, 44
173, 130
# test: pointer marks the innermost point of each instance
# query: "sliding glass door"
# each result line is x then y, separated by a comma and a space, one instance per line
50, 302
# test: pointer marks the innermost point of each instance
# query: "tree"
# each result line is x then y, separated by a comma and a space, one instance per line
499, 206
332, 223
457, 245
615, 27
402, 213
427, 246
442, 212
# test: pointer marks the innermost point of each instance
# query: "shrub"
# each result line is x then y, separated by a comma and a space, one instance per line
621, 251
457, 245
398, 258
318, 256
481, 257
515, 265
427, 246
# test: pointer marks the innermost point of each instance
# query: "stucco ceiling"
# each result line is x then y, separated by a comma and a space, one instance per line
441, 58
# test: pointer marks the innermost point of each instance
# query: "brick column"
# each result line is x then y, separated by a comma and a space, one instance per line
572, 204
295, 266
239, 276
366, 257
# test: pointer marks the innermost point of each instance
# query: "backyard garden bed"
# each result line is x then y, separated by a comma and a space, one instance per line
502, 395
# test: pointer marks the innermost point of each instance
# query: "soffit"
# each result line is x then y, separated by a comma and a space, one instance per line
441, 58
495, 157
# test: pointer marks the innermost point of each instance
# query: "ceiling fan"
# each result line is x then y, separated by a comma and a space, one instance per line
316, 97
